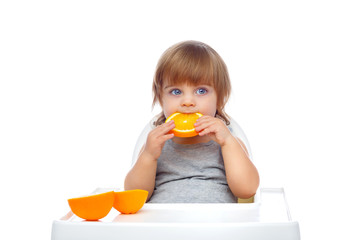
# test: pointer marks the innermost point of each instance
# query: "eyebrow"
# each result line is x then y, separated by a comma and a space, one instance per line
200, 85
167, 86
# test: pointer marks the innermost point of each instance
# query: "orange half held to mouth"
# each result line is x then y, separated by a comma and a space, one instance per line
184, 124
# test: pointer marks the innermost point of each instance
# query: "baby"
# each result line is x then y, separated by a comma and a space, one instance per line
213, 166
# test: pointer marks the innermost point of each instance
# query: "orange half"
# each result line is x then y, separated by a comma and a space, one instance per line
184, 124
130, 201
92, 207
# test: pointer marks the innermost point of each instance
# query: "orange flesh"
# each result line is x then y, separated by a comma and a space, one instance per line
92, 207
131, 201
184, 124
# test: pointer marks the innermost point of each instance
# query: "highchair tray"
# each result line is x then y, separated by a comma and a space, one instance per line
268, 217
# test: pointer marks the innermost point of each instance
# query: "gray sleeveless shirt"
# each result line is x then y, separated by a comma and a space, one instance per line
191, 173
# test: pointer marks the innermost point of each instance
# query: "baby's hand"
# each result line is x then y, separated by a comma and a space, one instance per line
157, 138
213, 127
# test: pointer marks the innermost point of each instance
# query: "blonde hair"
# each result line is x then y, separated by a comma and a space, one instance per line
194, 63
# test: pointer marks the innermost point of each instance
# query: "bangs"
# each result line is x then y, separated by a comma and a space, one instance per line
190, 67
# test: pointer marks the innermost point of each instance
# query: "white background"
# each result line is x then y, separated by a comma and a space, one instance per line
75, 93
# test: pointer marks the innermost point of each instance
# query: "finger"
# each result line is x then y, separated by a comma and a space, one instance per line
203, 132
165, 127
207, 130
166, 137
202, 119
207, 120
160, 130
204, 125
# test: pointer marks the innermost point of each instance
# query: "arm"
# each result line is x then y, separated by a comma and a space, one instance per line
143, 173
242, 176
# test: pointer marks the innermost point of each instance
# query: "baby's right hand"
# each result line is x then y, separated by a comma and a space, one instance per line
157, 138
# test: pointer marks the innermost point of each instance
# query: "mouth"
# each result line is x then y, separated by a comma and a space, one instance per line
188, 112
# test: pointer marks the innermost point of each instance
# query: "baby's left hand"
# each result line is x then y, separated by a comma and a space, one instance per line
213, 127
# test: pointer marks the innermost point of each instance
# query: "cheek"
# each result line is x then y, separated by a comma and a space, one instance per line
213, 110
167, 113
209, 107
168, 108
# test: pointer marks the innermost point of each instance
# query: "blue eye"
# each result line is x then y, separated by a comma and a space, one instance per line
175, 92
201, 91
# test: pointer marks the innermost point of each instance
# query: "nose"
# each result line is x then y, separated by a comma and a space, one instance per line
187, 104
187, 101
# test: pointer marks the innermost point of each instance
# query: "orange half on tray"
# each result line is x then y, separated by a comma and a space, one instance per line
130, 201
92, 207
184, 124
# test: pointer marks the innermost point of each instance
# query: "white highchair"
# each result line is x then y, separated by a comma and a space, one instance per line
264, 216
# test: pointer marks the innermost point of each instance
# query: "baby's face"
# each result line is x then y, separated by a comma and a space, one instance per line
186, 98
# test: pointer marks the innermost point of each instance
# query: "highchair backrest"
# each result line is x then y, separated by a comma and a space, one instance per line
233, 126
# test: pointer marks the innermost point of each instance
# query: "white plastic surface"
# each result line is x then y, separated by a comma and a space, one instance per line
267, 218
